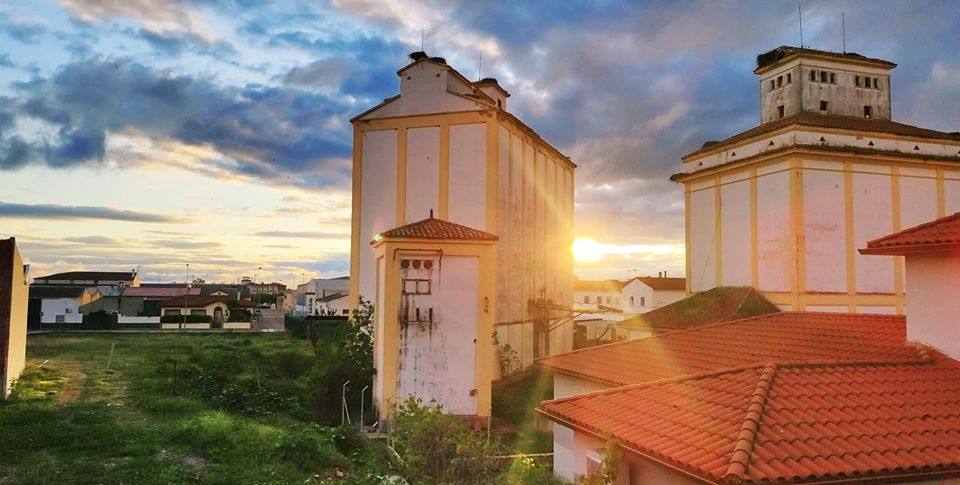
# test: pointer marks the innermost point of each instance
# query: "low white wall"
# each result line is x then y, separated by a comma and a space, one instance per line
193, 326
236, 324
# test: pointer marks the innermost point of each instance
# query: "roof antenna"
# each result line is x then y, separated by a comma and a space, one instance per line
480, 67
800, 15
421, 40
843, 31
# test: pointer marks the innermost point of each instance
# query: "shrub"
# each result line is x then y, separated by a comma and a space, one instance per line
525, 471
100, 320
186, 319
439, 448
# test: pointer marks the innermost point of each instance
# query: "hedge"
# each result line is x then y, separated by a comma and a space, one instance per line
299, 326
99, 321
188, 319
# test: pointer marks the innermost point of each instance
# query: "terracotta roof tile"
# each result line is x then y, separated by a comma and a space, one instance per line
784, 337
943, 233
787, 423
433, 228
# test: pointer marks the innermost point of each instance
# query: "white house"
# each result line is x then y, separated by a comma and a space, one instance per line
62, 304
636, 295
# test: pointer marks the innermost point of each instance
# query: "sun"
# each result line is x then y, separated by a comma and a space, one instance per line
586, 250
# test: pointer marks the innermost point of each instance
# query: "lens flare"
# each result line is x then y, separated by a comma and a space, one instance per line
586, 250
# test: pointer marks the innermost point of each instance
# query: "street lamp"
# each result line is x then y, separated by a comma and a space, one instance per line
183, 317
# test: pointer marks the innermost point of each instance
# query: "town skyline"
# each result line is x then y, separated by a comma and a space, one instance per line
97, 177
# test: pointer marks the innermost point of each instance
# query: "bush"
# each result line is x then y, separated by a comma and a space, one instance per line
439, 448
239, 315
100, 320
186, 319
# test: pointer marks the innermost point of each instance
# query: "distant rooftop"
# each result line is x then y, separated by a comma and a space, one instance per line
786, 52
715, 305
941, 234
91, 275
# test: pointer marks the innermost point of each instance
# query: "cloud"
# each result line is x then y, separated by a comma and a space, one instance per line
255, 130
154, 15
51, 211
98, 240
303, 234
19, 28
180, 244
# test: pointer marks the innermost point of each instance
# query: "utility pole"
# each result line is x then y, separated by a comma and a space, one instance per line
183, 317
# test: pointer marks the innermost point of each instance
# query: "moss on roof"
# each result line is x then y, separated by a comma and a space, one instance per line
715, 305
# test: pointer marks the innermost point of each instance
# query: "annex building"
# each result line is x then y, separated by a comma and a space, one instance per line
461, 231
783, 206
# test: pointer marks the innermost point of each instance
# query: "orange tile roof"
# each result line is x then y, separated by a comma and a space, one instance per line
788, 423
433, 228
943, 233
784, 337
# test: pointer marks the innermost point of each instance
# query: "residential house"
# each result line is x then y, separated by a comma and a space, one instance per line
636, 295
783, 206
443, 171
334, 304
13, 314
60, 304
214, 306
145, 300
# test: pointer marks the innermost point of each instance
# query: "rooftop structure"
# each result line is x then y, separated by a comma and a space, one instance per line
90, 278
715, 305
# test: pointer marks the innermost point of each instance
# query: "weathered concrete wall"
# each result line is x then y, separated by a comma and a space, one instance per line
566, 386
703, 225
423, 173
775, 245
735, 231
824, 228
468, 179
872, 218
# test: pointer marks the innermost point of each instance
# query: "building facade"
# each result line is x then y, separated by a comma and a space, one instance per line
13, 315
447, 149
784, 206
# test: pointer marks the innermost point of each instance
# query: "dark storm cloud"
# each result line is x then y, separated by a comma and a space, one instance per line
52, 211
267, 131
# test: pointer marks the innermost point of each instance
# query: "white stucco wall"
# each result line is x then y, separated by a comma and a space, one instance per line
378, 199
774, 240
468, 176
872, 218
423, 172
824, 228
735, 214
566, 386
51, 307
933, 315
703, 266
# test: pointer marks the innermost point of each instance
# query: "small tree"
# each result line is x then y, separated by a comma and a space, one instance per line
609, 471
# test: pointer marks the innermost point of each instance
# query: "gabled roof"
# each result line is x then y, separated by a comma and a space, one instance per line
598, 285
817, 120
193, 301
941, 234
433, 228
91, 275
788, 336
55, 291
788, 422
663, 283
715, 305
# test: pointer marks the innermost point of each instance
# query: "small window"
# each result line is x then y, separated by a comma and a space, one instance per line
867, 112
643, 301
198, 312
633, 301
779, 81
856, 81
813, 75
780, 111
823, 76
346, 311
586, 299
772, 85
823, 105
416, 287
876, 83
500, 103
61, 318
789, 78
833, 78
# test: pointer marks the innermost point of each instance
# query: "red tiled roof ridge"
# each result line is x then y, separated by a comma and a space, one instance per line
743, 447
880, 241
718, 324
437, 228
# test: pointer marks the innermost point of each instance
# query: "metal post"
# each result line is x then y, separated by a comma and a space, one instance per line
344, 412
183, 317
362, 395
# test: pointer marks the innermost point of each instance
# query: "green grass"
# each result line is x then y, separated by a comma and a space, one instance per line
152, 408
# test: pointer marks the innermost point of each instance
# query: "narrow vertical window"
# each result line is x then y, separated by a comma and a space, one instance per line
856, 81
867, 112
779, 81
780, 111
823, 76
813, 75
789, 78
876, 83
823, 105
772, 85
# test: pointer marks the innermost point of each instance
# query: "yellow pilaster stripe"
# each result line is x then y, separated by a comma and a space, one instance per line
493, 175
355, 219
754, 231
718, 229
941, 196
686, 234
897, 260
851, 244
401, 176
444, 170
796, 213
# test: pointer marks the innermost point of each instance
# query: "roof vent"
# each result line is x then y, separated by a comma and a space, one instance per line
823, 139
770, 144
916, 147
438, 60
870, 144
418, 55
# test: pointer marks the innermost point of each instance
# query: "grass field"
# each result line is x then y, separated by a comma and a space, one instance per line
152, 408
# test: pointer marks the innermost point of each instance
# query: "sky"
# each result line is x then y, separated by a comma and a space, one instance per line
157, 134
